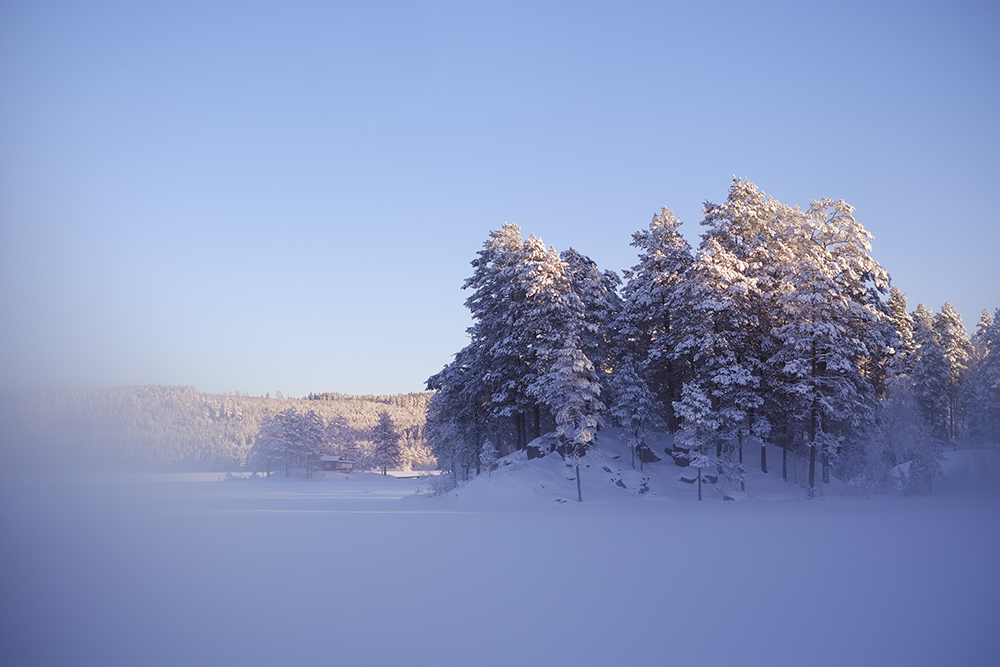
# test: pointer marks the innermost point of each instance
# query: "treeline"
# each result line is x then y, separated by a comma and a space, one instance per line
182, 429
780, 327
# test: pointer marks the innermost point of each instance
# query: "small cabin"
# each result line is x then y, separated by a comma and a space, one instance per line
336, 463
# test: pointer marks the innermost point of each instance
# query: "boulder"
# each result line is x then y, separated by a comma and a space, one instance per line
646, 454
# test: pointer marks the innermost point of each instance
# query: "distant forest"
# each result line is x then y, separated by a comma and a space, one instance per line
157, 428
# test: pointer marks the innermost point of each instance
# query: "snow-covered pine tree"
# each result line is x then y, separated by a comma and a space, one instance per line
503, 355
290, 437
526, 300
633, 406
598, 294
957, 348
643, 330
981, 393
931, 375
571, 391
715, 330
564, 380
386, 439
752, 228
983, 328
902, 322
457, 414
834, 322
488, 456
312, 431
990, 380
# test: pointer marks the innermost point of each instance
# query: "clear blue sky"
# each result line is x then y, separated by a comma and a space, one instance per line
257, 197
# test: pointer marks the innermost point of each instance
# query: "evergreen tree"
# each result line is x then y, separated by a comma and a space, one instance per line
456, 414
643, 330
716, 331
748, 234
503, 354
982, 388
902, 322
386, 439
488, 456
957, 349
598, 294
291, 437
834, 322
633, 407
931, 376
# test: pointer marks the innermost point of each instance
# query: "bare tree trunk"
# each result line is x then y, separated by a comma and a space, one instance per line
699, 483
812, 469
579, 491
784, 463
826, 467
763, 458
743, 484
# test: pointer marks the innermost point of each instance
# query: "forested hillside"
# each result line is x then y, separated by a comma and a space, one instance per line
180, 428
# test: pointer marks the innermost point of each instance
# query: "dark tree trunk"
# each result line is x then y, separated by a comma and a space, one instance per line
579, 492
538, 423
699, 483
743, 484
763, 458
826, 467
784, 463
813, 427
812, 469
671, 417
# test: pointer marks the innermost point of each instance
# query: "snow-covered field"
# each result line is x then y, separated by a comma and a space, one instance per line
369, 570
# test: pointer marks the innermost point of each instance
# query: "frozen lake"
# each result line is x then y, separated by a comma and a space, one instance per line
121, 570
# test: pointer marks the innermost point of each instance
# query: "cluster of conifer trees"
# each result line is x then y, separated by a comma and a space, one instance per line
780, 328
298, 439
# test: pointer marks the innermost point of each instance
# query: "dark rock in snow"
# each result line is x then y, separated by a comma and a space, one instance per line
646, 454
542, 446
680, 455
535, 452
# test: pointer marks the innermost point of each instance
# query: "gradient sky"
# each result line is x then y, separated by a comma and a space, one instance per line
264, 197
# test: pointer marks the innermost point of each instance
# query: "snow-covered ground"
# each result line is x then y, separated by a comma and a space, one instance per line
369, 570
